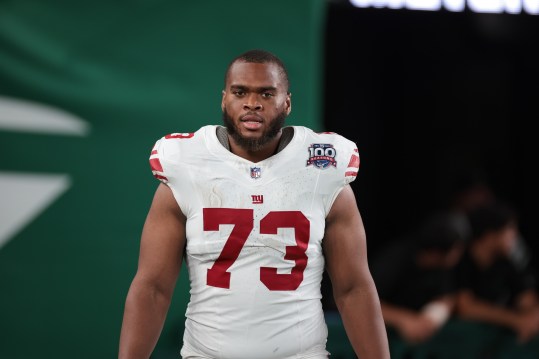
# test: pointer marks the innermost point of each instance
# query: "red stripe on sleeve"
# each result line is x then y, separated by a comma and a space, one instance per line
354, 161
156, 164
159, 177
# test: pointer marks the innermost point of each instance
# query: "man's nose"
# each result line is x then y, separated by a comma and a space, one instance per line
252, 103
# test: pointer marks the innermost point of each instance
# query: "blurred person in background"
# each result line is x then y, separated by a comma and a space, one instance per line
493, 288
258, 209
415, 281
471, 190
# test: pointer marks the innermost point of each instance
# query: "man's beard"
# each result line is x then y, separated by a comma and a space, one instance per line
254, 144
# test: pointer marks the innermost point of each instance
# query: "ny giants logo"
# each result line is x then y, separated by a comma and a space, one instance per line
322, 155
257, 198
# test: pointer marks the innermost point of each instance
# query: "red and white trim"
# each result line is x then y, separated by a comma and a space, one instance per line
157, 168
353, 165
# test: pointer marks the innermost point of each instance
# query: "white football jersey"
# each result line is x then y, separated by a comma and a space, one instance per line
254, 240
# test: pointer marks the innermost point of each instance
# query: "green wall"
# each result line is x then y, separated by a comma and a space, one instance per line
75, 183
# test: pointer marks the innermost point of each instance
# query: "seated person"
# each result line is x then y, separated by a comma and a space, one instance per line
414, 279
492, 287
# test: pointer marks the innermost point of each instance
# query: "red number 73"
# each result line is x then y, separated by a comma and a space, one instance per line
243, 220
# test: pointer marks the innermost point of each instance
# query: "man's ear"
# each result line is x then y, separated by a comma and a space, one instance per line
288, 103
223, 100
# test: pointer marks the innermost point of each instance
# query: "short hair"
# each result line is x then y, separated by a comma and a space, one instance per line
491, 217
260, 57
441, 231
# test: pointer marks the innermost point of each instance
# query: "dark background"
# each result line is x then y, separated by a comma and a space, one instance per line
429, 98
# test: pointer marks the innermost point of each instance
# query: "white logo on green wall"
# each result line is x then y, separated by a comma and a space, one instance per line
26, 195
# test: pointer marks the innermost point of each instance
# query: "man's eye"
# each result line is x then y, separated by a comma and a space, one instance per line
238, 93
267, 95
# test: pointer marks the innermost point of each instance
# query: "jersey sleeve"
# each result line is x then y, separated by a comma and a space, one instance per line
353, 164
155, 161
349, 156
167, 153
345, 159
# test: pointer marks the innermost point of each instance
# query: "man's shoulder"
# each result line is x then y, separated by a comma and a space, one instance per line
185, 135
323, 136
174, 143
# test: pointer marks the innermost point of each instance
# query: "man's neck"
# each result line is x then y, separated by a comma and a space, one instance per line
482, 255
268, 150
286, 135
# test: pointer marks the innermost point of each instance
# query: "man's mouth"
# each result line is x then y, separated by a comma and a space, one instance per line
250, 118
251, 121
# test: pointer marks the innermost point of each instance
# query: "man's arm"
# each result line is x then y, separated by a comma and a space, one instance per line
160, 260
418, 326
355, 294
525, 324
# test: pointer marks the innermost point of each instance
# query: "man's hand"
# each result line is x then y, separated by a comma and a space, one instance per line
526, 325
416, 328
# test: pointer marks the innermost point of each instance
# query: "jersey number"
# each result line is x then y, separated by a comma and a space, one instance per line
243, 219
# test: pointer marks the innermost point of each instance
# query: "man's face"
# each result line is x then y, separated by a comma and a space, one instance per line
507, 238
255, 103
